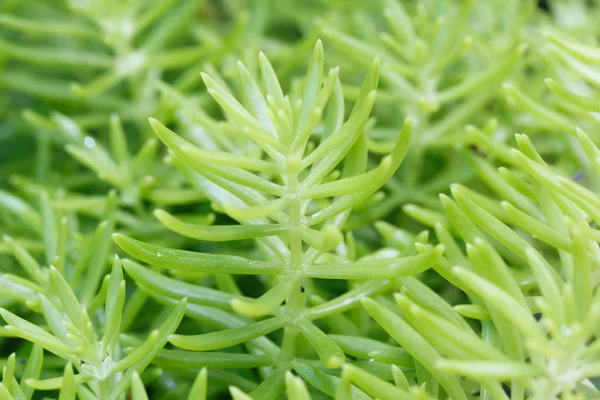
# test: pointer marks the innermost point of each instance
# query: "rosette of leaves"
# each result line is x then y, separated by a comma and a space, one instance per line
292, 200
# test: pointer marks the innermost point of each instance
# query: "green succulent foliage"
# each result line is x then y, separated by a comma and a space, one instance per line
573, 88
103, 44
77, 314
295, 216
436, 66
135, 176
275, 223
102, 370
533, 252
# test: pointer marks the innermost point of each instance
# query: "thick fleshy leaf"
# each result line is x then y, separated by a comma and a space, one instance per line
269, 300
183, 260
324, 382
374, 386
376, 269
495, 72
346, 202
115, 300
230, 337
488, 263
489, 369
237, 394
68, 389
174, 288
490, 224
421, 294
415, 344
138, 392
218, 233
33, 369
395, 356
329, 352
515, 312
198, 390
37, 335
27, 261
141, 360
446, 336
69, 301
272, 387
357, 346
348, 300
57, 383
295, 387
100, 253
179, 359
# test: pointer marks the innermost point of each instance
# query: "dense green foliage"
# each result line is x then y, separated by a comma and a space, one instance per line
257, 199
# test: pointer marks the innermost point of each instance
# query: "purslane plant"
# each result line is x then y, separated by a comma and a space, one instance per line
295, 216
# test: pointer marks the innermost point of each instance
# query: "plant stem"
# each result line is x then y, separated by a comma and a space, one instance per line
295, 302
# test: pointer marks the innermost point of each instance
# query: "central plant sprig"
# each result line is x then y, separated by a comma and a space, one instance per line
293, 199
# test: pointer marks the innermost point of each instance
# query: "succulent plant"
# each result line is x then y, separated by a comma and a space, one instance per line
284, 228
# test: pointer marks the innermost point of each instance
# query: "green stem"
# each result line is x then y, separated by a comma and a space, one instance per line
295, 302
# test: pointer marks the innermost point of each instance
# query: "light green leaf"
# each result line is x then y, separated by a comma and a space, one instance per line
359, 347
115, 300
68, 389
504, 303
218, 233
33, 369
183, 260
50, 231
271, 387
446, 336
374, 386
503, 370
376, 269
26, 330
324, 382
138, 392
230, 337
141, 361
329, 352
296, 389
490, 224
179, 359
349, 299
414, 343
26, 260
176, 289
237, 394
199, 387
270, 300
